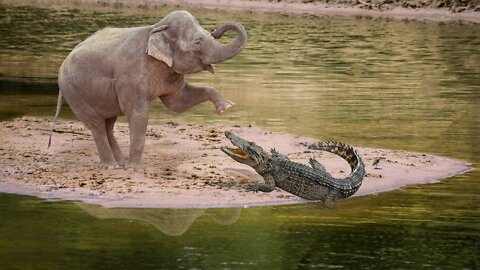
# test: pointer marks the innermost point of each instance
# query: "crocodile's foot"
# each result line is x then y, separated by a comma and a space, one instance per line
253, 188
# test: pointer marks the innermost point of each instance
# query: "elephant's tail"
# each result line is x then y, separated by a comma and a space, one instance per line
59, 106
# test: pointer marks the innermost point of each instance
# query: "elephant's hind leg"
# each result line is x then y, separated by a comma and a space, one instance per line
117, 152
93, 120
99, 132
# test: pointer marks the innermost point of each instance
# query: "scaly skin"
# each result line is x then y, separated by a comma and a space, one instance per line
310, 183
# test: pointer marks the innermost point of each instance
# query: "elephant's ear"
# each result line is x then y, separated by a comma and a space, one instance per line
159, 45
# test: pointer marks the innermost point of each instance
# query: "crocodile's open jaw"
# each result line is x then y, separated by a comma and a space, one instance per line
243, 151
237, 152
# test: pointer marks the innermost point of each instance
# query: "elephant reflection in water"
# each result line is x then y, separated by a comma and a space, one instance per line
173, 222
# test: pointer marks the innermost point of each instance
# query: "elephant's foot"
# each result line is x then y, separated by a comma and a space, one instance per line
120, 164
109, 165
135, 166
222, 107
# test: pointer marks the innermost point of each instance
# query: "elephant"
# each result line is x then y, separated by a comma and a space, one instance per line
120, 71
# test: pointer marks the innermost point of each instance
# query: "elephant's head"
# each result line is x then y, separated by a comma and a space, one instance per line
180, 42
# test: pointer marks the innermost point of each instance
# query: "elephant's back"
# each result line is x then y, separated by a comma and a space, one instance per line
105, 37
108, 40
106, 49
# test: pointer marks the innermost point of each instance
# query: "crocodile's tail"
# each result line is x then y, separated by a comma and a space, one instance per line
344, 151
354, 180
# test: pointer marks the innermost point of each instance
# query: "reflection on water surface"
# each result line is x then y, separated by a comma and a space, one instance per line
172, 222
379, 83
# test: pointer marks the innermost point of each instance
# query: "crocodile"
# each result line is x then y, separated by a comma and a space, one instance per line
308, 182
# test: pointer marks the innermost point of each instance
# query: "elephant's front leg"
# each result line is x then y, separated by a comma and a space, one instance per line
190, 95
137, 121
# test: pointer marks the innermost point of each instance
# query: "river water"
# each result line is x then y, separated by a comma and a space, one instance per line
371, 82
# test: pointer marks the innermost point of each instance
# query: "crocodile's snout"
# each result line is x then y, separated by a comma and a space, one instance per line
241, 150
230, 135
233, 151
235, 140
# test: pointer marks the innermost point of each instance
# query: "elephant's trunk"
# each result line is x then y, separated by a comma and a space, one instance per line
217, 52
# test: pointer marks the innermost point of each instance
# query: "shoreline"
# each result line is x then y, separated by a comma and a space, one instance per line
184, 166
408, 10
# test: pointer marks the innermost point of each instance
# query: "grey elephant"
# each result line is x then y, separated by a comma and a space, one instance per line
119, 71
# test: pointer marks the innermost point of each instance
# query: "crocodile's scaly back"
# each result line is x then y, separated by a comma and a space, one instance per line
347, 152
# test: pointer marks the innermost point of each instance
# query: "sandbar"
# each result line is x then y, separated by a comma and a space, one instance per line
184, 166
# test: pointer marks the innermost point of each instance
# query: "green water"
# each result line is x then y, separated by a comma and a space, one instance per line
377, 83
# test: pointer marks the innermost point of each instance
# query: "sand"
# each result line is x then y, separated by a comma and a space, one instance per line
184, 166
421, 10
334, 7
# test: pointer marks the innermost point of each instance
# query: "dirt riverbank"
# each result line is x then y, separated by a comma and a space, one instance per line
184, 166
423, 10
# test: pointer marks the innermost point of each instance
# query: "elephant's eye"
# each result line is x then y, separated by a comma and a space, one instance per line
198, 43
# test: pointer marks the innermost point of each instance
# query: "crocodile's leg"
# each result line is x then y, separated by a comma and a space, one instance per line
278, 154
268, 186
331, 197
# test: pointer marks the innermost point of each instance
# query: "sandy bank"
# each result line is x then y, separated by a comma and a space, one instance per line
369, 8
185, 168
423, 10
